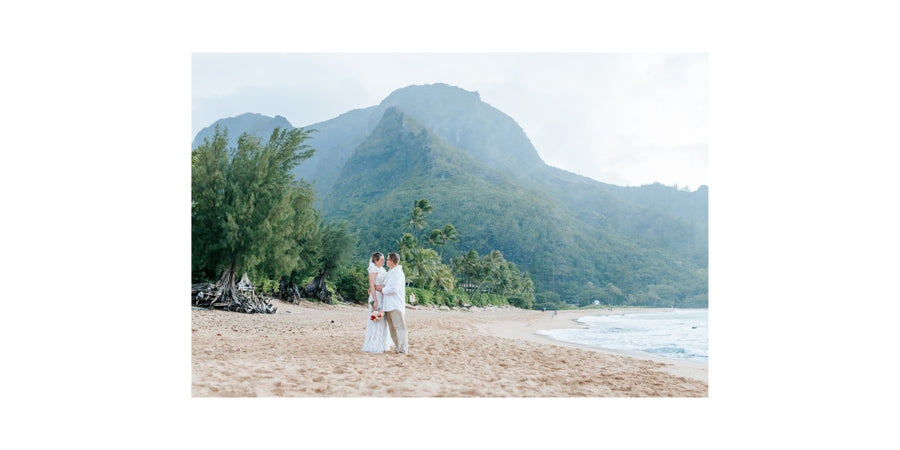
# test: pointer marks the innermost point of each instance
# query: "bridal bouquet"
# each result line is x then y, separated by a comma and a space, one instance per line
376, 315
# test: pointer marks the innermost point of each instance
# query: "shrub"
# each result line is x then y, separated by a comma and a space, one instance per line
521, 302
352, 282
549, 300
450, 299
423, 297
483, 299
267, 287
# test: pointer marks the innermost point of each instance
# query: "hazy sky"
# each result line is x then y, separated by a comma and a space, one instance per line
625, 119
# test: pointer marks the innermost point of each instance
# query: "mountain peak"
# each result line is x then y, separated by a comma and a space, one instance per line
393, 115
437, 93
399, 132
253, 123
467, 123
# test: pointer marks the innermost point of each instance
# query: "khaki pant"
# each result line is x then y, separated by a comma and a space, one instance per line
397, 326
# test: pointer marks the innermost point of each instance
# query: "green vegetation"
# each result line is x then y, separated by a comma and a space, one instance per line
335, 248
498, 225
559, 251
493, 276
548, 300
248, 213
458, 298
352, 282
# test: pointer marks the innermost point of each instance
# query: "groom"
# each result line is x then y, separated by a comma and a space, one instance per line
394, 301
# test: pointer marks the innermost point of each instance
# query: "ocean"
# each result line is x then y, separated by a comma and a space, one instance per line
675, 334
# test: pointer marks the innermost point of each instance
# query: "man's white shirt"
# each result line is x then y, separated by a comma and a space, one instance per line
394, 290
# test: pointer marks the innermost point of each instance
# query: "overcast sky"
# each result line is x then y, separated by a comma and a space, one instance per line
625, 119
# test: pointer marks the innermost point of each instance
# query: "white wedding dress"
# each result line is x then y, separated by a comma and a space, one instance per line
378, 340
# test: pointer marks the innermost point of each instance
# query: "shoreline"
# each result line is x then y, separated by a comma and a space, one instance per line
569, 319
314, 350
528, 330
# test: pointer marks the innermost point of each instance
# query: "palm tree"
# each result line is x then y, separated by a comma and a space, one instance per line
405, 245
466, 266
422, 265
436, 238
443, 236
424, 205
443, 278
493, 263
416, 220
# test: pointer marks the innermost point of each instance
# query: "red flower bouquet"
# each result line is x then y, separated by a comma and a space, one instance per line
376, 315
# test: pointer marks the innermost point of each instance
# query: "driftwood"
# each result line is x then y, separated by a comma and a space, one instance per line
230, 296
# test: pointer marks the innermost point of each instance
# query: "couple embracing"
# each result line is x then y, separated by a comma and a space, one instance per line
386, 325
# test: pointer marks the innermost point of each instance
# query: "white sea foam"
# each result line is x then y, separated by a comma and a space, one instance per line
678, 334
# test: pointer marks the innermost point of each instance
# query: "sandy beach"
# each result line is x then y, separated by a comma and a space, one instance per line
314, 350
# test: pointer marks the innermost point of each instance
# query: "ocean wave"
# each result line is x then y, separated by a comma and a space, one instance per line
678, 334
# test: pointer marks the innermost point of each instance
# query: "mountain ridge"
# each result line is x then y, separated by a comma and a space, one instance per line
253, 123
607, 230
403, 161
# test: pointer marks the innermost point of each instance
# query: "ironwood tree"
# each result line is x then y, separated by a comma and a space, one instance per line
337, 246
248, 214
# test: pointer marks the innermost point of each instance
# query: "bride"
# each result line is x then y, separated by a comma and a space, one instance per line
378, 340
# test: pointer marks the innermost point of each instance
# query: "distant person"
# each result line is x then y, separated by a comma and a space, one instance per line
377, 338
394, 291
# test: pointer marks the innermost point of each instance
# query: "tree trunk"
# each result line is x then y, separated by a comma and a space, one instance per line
316, 289
230, 295
289, 292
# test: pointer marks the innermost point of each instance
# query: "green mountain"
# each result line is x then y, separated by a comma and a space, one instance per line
335, 141
478, 169
490, 136
402, 161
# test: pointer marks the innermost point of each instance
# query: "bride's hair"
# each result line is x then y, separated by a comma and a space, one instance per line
376, 256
